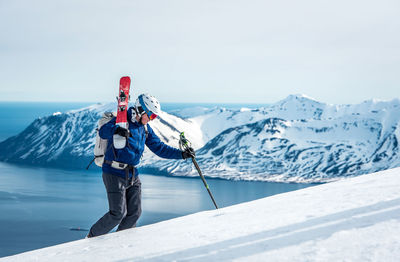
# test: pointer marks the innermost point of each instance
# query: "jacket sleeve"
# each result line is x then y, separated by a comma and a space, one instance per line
159, 148
107, 130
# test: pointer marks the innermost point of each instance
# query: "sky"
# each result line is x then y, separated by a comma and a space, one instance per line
210, 51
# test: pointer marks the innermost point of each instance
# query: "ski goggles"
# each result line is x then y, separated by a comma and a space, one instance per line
152, 116
143, 108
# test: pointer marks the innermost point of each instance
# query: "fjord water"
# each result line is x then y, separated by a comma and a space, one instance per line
40, 206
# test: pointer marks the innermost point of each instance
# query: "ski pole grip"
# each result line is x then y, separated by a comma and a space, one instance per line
183, 142
183, 138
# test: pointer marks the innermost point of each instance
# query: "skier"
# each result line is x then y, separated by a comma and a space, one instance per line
120, 175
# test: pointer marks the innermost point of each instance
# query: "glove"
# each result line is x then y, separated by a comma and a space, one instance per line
122, 131
189, 152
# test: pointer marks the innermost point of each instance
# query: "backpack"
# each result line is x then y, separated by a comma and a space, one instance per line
100, 147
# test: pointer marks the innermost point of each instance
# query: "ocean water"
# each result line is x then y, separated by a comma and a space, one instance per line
41, 207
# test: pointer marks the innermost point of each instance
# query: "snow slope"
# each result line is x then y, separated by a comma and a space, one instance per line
356, 219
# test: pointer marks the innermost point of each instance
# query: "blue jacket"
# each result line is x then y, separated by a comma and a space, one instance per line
132, 152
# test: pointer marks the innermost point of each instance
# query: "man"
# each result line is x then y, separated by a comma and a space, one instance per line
120, 175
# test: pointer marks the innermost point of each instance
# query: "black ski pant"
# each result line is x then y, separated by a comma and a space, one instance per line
124, 200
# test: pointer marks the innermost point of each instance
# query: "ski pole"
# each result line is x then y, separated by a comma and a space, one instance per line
185, 144
204, 181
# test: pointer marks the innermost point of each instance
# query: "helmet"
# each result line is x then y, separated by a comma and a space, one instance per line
148, 104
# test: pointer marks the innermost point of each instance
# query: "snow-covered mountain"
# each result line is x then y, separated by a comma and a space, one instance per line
355, 219
66, 140
297, 139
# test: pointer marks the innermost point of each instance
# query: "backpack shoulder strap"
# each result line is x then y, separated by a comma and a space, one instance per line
146, 131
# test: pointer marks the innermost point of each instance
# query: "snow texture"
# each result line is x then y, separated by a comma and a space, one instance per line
355, 219
297, 139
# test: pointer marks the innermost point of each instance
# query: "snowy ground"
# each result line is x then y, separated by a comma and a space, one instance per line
357, 219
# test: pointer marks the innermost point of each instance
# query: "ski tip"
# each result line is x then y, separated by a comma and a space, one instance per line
125, 78
125, 82
78, 229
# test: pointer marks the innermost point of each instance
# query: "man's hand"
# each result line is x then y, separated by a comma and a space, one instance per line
189, 152
122, 131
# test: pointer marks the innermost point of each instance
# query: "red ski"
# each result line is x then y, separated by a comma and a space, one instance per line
122, 117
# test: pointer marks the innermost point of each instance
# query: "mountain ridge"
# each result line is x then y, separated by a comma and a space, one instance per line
297, 139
